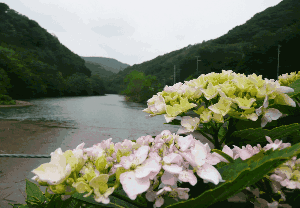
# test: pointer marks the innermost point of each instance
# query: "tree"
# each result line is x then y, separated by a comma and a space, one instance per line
3, 8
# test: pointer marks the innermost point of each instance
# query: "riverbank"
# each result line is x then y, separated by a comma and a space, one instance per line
19, 103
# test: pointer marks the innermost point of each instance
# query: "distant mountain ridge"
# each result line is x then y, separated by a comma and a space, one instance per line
98, 69
109, 64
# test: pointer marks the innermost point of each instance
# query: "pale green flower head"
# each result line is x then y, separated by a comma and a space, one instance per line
75, 162
99, 183
200, 110
250, 114
58, 189
228, 88
214, 78
244, 103
101, 163
218, 118
205, 116
200, 82
284, 99
81, 187
101, 190
185, 105
211, 91
173, 111
88, 172
295, 176
256, 80
56, 171
170, 98
156, 105
222, 107
286, 79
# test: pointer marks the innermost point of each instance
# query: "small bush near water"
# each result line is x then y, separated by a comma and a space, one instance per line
6, 100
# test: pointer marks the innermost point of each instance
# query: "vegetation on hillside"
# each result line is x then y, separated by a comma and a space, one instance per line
33, 63
139, 86
98, 69
109, 64
248, 48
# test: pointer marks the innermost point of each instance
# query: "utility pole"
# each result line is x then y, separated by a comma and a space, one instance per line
278, 61
174, 73
197, 63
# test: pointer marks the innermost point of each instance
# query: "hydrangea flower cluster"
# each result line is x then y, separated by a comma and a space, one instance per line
139, 166
287, 79
226, 93
149, 165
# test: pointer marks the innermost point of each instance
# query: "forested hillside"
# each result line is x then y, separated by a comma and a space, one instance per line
248, 48
33, 63
98, 69
109, 64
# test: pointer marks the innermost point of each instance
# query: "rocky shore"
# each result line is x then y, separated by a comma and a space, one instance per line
19, 103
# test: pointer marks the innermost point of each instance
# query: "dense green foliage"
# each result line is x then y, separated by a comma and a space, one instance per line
248, 48
33, 63
140, 87
109, 64
6, 100
98, 69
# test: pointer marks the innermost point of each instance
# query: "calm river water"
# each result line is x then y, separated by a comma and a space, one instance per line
110, 113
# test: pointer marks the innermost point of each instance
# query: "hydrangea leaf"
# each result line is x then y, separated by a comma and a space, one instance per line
239, 175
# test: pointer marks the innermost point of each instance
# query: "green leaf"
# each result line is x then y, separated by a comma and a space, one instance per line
19, 205
175, 122
114, 201
57, 202
258, 136
34, 194
227, 157
241, 174
295, 118
296, 86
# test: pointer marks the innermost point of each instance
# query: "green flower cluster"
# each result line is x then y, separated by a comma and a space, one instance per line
286, 79
226, 93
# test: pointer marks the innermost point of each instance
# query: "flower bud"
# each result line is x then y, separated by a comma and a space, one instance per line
58, 189
42, 183
70, 181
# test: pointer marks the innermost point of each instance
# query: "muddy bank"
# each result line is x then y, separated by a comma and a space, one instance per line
19, 103
24, 137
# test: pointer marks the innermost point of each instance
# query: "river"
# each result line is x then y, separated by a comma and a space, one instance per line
88, 119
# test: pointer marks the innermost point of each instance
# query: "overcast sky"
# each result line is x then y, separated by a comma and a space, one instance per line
135, 31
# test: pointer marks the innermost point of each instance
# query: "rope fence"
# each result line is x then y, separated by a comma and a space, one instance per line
25, 156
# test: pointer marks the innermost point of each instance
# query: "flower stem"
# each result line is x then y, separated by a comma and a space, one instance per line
205, 135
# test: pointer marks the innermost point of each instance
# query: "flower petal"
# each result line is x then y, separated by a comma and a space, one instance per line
209, 173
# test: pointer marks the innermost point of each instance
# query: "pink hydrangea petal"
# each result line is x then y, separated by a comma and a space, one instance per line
132, 185
212, 159
173, 158
159, 202
150, 165
174, 169
185, 142
168, 179
209, 173
188, 176
141, 154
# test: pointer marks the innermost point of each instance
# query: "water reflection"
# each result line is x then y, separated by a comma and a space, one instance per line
86, 112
